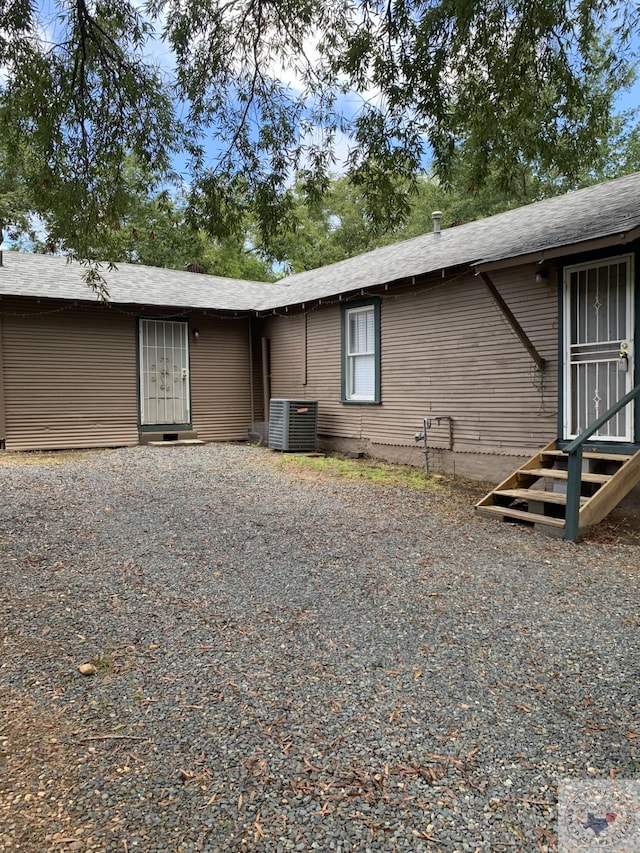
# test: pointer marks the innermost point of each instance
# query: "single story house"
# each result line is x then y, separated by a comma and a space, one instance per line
505, 334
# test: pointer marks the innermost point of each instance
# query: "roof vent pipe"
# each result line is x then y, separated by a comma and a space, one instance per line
436, 216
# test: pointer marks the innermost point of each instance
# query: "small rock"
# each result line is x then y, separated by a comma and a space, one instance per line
87, 669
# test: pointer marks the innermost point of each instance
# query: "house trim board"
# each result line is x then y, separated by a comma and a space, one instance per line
560, 343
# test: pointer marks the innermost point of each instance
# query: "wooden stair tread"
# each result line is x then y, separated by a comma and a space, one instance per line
537, 495
523, 485
591, 454
557, 474
521, 515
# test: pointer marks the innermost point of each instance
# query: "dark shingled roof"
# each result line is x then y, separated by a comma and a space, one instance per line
601, 211
595, 212
54, 278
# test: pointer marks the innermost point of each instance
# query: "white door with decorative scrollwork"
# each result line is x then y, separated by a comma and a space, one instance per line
598, 346
164, 373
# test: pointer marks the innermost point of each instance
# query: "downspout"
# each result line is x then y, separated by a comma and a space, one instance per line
251, 400
513, 322
266, 384
304, 349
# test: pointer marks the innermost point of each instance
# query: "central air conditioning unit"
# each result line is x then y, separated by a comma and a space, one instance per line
293, 425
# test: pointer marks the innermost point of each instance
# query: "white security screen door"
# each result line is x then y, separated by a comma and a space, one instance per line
164, 372
598, 346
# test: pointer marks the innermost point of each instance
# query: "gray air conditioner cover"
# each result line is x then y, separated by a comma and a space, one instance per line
293, 425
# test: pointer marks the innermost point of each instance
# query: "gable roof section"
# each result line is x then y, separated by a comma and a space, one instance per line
603, 210
576, 220
51, 277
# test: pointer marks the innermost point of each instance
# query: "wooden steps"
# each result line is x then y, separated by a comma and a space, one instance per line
591, 454
559, 474
539, 495
522, 515
536, 492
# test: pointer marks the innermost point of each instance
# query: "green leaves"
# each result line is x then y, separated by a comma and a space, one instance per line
76, 110
268, 90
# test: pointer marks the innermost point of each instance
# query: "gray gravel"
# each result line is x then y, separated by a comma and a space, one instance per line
288, 664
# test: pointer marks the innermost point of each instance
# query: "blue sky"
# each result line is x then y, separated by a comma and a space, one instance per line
350, 103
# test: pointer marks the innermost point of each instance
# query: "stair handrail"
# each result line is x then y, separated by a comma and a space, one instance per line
574, 463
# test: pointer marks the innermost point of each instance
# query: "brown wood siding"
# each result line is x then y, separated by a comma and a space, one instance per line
69, 376
3, 431
287, 355
220, 378
446, 351
324, 376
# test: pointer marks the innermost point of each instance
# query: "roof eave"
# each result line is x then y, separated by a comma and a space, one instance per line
128, 305
540, 256
432, 276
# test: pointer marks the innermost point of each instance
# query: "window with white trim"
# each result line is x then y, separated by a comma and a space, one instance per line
361, 357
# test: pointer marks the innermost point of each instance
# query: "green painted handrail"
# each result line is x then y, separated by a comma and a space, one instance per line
574, 464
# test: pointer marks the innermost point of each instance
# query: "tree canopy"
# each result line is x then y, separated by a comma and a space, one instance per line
340, 224
255, 92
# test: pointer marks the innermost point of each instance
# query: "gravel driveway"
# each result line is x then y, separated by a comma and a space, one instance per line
295, 664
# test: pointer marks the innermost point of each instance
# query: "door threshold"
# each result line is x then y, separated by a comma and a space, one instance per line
174, 442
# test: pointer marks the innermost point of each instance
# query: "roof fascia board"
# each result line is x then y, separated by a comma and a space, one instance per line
431, 278
134, 308
540, 257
